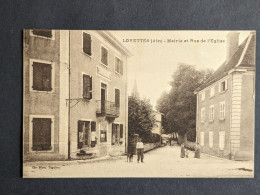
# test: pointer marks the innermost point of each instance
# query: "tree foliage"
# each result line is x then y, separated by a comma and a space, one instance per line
141, 117
179, 105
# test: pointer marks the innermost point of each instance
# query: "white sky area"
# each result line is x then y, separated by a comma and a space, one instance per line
153, 64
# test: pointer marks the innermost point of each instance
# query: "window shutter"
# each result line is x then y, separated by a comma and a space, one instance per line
117, 97
80, 134
46, 77
121, 67
87, 87
37, 76
93, 126
226, 85
46, 133
113, 134
43, 33
36, 134
87, 43
121, 130
104, 54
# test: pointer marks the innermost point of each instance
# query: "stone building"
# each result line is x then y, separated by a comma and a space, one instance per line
75, 94
226, 103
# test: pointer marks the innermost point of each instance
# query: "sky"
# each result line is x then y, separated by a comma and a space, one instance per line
153, 63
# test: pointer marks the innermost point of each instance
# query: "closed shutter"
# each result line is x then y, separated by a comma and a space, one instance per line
87, 133
80, 134
117, 97
93, 126
121, 130
87, 86
43, 33
113, 134
46, 77
104, 55
37, 76
87, 43
41, 134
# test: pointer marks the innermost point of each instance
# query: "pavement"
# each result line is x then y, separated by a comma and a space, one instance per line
161, 162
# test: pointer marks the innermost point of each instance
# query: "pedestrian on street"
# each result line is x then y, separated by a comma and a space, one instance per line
140, 150
197, 151
182, 151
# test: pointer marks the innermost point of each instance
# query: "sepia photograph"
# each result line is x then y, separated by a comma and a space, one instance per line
138, 104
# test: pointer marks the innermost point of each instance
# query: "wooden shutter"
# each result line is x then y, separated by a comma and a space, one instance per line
117, 97
113, 134
121, 130
41, 134
104, 55
87, 43
46, 77
43, 33
37, 76
121, 67
93, 126
80, 134
87, 133
87, 86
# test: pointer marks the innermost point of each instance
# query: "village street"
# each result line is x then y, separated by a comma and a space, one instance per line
161, 162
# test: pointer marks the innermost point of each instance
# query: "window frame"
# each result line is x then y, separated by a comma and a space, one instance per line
225, 84
82, 85
31, 75
122, 64
222, 110
212, 92
104, 65
202, 115
82, 46
211, 113
118, 134
222, 133
43, 37
115, 88
211, 138
31, 117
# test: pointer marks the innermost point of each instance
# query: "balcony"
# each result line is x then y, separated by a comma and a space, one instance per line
107, 108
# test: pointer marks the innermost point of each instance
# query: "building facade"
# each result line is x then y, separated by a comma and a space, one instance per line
75, 101
226, 104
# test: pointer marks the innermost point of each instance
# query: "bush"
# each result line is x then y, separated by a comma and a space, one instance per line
152, 138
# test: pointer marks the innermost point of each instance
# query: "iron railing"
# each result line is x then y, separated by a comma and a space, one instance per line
107, 108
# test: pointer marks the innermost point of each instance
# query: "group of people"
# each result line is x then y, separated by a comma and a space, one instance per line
139, 151
185, 151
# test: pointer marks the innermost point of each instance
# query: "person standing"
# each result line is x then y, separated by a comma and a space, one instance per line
140, 150
197, 151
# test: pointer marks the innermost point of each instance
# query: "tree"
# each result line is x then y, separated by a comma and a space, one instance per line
140, 118
179, 105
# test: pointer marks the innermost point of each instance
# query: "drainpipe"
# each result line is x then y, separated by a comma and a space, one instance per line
69, 157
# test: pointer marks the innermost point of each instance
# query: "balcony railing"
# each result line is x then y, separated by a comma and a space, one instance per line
107, 108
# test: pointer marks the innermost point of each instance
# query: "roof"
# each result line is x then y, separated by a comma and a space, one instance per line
242, 58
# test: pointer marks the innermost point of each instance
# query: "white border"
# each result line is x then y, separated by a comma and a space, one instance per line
31, 75
31, 133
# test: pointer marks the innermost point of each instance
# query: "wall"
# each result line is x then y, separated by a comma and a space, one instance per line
41, 103
217, 125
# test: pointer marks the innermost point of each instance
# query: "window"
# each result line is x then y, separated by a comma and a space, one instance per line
118, 66
104, 56
211, 113
211, 139
43, 33
103, 136
87, 87
222, 110
203, 96
202, 138
117, 97
41, 134
221, 140
117, 134
86, 134
202, 115
87, 43
223, 86
42, 76
212, 92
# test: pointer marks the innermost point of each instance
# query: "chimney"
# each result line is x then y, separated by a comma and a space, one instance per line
232, 43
